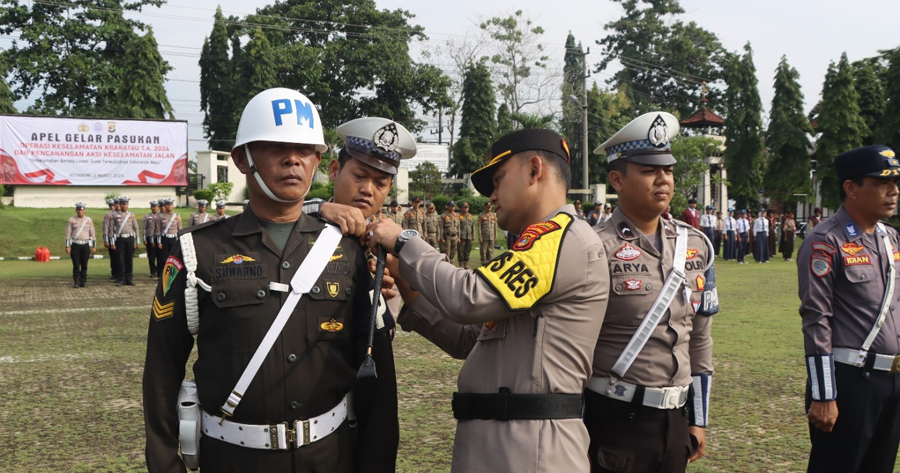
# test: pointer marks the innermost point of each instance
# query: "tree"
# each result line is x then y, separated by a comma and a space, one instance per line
787, 138
572, 113
144, 73
477, 125
664, 67
6, 96
517, 51
871, 98
425, 180
257, 67
221, 190
743, 129
217, 76
841, 127
608, 112
72, 52
504, 121
692, 153
889, 133
532, 120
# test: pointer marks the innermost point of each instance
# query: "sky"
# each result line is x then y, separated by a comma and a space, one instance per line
811, 33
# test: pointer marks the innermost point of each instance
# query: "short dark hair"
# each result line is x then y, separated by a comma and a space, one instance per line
343, 156
619, 165
554, 161
857, 180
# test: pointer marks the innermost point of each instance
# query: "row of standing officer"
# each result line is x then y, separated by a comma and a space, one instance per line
454, 233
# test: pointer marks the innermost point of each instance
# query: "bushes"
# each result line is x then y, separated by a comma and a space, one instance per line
205, 194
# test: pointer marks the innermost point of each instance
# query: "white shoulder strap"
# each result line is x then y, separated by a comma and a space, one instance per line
303, 280
663, 300
78, 233
888, 296
124, 221
171, 219
191, 305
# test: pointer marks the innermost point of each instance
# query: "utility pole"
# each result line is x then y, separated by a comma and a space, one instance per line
584, 123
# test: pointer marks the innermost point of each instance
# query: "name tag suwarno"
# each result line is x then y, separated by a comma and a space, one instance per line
525, 274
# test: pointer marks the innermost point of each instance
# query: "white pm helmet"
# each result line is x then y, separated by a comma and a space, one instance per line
279, 115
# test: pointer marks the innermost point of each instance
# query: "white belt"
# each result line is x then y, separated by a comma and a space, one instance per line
126, 235
81, 242
281, 436
850, 356
671, 397
170, 236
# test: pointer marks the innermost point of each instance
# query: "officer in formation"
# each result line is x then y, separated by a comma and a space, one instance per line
149, 225
167, 227
466, 234
729, 233
648, 397
107, 223
487, 232
432, 225
742, 229
415, 217
761, 238
850, 305
124, 230
525, 325
200, 216
396, 213
448, 235
220, 210
80, 243
289, 409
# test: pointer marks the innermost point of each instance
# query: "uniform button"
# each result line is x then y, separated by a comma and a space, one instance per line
260, 294
294, 405
348, 291
866, 374
286, 265
315, 290
220, 296
649, 287
618, 288
862, 276
292, 358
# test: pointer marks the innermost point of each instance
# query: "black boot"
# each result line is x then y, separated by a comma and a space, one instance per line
77, 283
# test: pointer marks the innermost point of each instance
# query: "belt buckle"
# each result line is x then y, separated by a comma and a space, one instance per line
895, 366
301, 427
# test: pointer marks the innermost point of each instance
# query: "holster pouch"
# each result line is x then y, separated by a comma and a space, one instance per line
189, 424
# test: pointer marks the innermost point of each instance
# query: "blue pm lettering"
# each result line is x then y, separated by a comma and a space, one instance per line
283, 107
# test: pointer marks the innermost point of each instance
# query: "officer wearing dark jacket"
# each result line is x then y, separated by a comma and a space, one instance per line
227, 280
848, 268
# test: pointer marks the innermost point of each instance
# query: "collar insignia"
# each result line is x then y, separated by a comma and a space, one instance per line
851, 230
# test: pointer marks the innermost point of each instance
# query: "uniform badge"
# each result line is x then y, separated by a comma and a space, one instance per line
701, 283
387, 138
658, 135
162, 311
887, 153
691, 253
534, 233
238, 259
620, 390
170, 271
332, 326
896, 256
628, 253
490, 325
632, 284
851, 230
334, 288
336, 257
695, 306
852, 248
820, 267
823, 247
855, 260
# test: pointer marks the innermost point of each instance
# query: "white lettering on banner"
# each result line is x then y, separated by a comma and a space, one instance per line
97, 152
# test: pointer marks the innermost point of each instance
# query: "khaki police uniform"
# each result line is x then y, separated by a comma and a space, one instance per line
414, 219
537, 344
125, 231
80, 244
397, 217
168, 226
113, 258
449, 234
309, 370
150, 234
466, 235
843, 274
487, 235
198, 218
432, 228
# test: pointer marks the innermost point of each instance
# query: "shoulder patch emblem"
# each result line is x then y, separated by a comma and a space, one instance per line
852, 248
237, 259
162, 311
533, 234
692, 253
823, 247
819, 266
170, 271
701, 283
628, 253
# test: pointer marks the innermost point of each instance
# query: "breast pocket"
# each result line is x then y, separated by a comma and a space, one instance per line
329, 309
238, 313
636, 285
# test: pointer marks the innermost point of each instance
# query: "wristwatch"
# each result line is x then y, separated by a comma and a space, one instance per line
404, 237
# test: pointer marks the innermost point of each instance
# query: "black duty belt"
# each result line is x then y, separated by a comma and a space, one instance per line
506, 406
451, 234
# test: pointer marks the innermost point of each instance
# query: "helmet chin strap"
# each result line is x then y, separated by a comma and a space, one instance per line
262, 184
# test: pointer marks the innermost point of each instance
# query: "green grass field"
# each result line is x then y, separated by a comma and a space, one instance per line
71, 363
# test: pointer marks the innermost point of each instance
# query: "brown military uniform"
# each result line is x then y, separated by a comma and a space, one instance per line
198, 218
449, 234
466, 235
843, 276
414, 219
311, 367
544, 348
487, 235
432, 228
397, 217
679, 346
